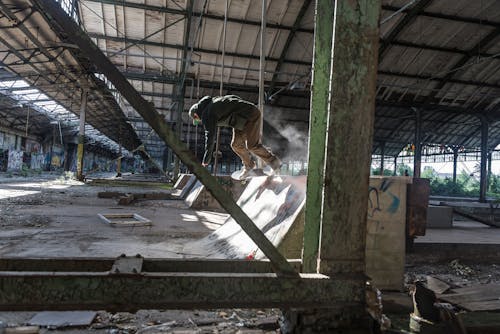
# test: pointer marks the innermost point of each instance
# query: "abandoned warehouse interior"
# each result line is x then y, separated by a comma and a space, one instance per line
110, 223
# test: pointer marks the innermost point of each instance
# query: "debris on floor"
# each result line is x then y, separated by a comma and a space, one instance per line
437, 285
484, 297
124, 219
126, 198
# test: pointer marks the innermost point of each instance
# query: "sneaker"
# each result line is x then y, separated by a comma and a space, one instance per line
245, 172
275, 165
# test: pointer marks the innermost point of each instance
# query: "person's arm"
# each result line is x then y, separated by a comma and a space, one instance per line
210, 132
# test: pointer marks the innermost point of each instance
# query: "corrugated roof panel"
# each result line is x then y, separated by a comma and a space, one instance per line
135, 61
479, 69
154, 61
291, 72
210, 36
237, 8
484, 9
444, 33
89, 15
284, 12
134, 23
389, 21
249, 41
308, 20
301, 47
276, 42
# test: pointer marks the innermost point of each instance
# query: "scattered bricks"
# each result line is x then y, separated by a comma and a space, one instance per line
157, 196
109, 194
126, 200
22, 330
267, 323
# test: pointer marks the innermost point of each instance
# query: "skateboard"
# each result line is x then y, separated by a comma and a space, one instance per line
253, 173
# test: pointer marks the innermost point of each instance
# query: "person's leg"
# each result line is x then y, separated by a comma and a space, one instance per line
254, 141
239, 147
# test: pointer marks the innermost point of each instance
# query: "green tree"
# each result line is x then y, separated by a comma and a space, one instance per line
402, 168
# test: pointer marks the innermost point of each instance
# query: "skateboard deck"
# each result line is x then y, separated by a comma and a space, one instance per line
254, 173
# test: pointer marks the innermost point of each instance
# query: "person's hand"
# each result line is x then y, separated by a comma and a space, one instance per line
204, 164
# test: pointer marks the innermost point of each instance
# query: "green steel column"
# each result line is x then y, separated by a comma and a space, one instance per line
490, 156
81, 136
417, 158
484, 157
382, 155
349, 141
323, 34
455, 159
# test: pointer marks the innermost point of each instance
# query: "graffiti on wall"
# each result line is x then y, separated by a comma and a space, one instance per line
15, 161
37, 160
57, 158
382, 199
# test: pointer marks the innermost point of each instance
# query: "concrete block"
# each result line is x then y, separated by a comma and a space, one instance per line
439, 217
385, 239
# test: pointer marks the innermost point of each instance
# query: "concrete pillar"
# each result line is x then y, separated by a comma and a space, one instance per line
455, 160
382, 153
417, 158
484, 157
81, 136
349, 140
395, 166
119, 160
119, 163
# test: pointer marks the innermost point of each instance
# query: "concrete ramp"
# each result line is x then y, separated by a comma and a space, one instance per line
181, 181
274, 204
200, 199
182, 193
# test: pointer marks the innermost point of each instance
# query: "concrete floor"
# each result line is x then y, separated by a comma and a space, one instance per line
467, 232
52, 217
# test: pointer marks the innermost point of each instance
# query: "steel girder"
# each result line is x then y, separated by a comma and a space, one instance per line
133, 283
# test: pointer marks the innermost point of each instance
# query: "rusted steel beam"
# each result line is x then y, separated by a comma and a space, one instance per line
134, 291
56, 16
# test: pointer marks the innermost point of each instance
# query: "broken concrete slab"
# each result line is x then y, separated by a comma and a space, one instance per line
439, 217
22, 330
475, 298
200, 199
181, 181
437, 285
55, 319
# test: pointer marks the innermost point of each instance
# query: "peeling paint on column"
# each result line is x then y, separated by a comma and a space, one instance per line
317, 131
349, 141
